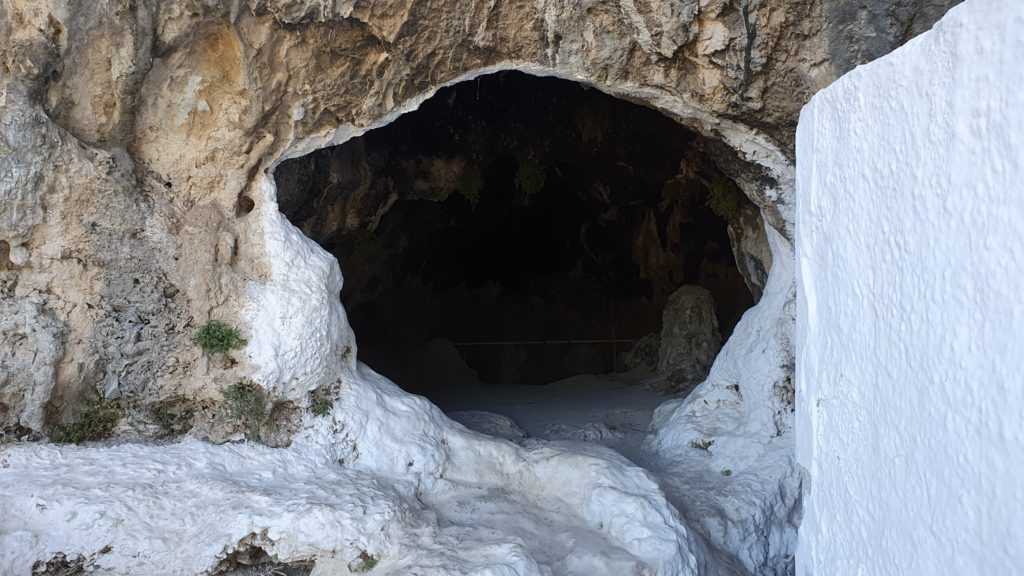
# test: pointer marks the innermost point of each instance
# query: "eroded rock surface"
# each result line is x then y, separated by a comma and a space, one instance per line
689, 337
136, 140
28, 371
132, 132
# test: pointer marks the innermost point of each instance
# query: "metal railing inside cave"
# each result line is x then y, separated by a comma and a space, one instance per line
520, 361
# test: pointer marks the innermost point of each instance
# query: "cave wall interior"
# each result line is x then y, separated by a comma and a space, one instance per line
536, 227
138, 141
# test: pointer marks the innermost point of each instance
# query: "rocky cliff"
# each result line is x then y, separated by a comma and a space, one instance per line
138, 140
133, 134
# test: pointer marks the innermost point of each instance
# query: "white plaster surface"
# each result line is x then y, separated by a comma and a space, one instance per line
385, 472
743, 490
910, 332
300, 338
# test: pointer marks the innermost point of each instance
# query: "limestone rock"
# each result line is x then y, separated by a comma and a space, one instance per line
643, 355
26, 149
689, 337
34, 341
138, 142
750, 247
150, 123
860, 31
489, 423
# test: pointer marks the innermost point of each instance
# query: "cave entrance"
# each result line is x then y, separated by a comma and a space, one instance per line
516, 231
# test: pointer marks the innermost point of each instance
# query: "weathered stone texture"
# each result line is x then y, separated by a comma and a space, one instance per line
689, 337
131, 131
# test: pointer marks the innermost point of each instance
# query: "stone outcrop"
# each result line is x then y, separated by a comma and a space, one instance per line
750, 246
138, 140
643, 356
34, 341
132, 133
682, 354
689, 338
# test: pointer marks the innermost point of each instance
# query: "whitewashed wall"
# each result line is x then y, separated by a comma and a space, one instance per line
910, 336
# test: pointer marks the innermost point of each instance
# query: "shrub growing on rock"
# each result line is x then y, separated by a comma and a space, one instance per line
245, 401
725, 198
96, 423
363, 563
216, 337
321, 407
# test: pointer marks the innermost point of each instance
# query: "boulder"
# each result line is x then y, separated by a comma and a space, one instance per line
689, 337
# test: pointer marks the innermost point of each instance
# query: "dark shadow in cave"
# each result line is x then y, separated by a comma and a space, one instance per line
529, 227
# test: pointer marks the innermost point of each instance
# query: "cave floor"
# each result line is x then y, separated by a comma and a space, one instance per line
612, 410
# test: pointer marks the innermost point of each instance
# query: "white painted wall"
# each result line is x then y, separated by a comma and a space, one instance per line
910, 333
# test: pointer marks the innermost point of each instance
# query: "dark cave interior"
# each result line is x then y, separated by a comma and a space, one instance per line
530, 227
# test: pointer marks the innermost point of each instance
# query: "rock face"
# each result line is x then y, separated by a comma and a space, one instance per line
138, 139
686, 347
860, 31
133, 135
28, 371
750, 246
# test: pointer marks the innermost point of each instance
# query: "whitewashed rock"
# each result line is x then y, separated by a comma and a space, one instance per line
489, 423
909, 334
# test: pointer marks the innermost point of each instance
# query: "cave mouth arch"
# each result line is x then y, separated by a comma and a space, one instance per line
519, 230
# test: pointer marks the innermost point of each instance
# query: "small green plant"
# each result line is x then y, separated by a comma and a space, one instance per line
216, 337
320, 401
724, 198
245, 401
701, 444
470, 183
321, 407
96, 423
726, 472
363, 563
529, 178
